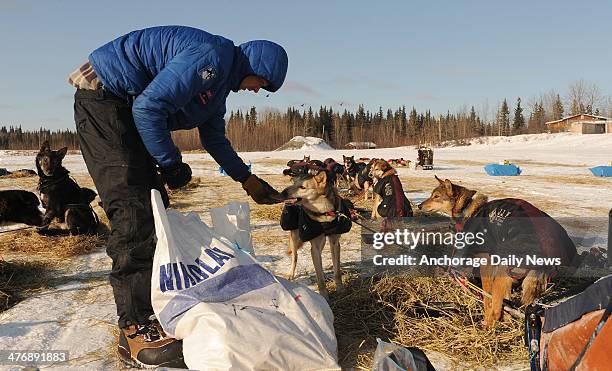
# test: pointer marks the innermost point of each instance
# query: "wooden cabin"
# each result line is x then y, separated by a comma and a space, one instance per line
360, 145
582, 124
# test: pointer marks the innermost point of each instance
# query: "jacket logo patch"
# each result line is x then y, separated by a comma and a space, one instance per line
388, 189
498, 216
205, 96
207, 73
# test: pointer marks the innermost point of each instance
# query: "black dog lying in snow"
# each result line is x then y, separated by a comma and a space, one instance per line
18, 206
62, 197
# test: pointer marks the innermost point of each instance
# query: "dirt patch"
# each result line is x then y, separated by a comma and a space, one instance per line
574, 179
274, 161
25, 183
539, 163
465, 162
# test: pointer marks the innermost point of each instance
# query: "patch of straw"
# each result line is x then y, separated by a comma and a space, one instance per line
19, 277
188, 188
18, 174
266, 212
31, 242
385, 307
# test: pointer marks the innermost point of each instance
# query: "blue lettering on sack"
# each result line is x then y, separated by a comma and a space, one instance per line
207, 267
175, 276
189, 281
218, 255
165, 277
197, 273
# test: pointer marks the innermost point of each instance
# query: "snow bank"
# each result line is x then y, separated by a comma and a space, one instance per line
305, 143
544, 139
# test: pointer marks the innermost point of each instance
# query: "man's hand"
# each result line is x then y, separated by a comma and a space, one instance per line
260, 191
176, 175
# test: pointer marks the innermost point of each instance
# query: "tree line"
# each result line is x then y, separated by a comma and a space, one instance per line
15, 138
251, 130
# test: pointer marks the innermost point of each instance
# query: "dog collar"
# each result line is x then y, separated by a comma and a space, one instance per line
459, 221
49, 181
333, 213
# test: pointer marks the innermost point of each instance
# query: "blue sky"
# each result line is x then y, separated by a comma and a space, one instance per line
438, 55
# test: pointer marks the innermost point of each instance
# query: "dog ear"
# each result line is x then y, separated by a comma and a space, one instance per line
321, 177
448, 186
439, 180
45, 146
62, 152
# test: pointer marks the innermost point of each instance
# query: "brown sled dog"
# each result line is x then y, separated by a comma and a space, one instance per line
314, 211
389, 199
500, 219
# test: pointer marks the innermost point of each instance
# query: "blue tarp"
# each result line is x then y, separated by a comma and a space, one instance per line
502, 170
601, 170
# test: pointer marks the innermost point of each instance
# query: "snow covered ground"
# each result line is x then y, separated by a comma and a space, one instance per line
79, 314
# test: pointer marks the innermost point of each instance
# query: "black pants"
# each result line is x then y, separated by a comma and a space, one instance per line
124, 174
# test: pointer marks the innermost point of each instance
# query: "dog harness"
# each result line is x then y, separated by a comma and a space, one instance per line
62, 177
364, 175
297, 217
354, 169
47, 182
514, 226
394, 202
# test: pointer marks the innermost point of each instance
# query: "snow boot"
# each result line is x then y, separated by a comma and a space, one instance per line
147, 346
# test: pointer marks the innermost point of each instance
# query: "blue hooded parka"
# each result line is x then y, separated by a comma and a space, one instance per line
179, 78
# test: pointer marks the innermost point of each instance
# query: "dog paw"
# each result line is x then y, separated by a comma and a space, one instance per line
488, 324
42, 229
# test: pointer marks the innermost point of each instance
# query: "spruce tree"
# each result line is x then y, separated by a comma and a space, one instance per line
503, 119
519, 120
557, 109
472, 121
253, 117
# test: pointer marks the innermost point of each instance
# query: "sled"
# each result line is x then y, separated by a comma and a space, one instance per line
574, 334
425, 158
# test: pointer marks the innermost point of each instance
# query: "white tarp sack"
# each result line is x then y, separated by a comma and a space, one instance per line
233, 222
231, 312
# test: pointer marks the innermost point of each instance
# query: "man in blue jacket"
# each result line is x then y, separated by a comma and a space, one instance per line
131, 93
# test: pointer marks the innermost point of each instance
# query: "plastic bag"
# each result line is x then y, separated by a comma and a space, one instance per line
393, 357
230, 312
232, 221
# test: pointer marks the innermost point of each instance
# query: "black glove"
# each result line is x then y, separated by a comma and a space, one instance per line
260, 191
176, 175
